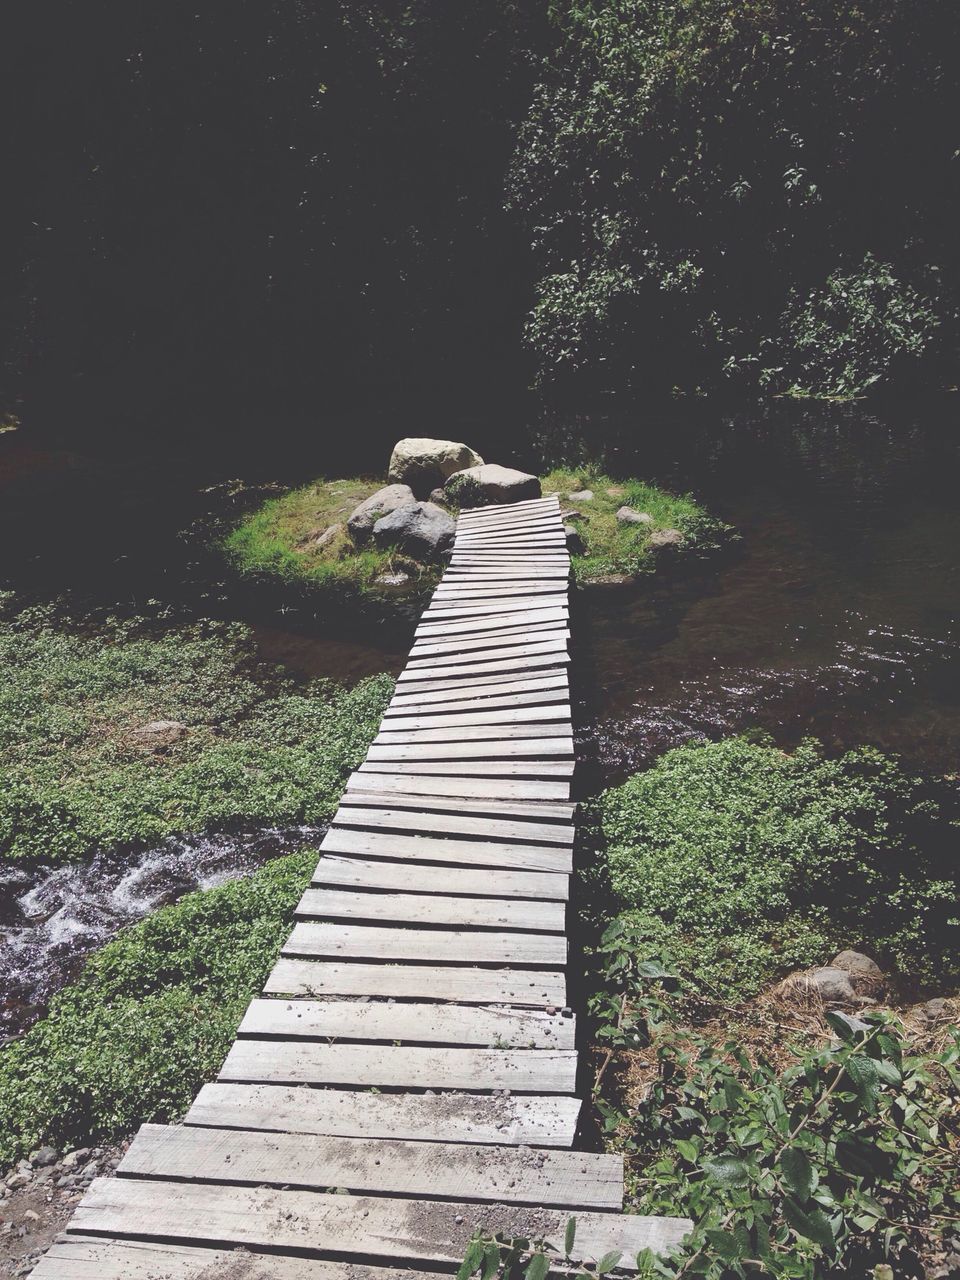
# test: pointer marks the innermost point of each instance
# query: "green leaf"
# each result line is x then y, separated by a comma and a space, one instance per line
796, 1173
689, 1150
813, 1226
863, 1073
569, 1236
609, 1261
728, 1171
491, 1261
726, 1244
471, 1260
537, 1267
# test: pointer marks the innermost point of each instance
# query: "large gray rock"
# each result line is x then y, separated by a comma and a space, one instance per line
422, 531
629, 515
425, 464
665, 538
158, 734
361, 519
830, 984
488, 482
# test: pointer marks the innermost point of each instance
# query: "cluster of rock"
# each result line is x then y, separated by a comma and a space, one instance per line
40, 1193
426, 476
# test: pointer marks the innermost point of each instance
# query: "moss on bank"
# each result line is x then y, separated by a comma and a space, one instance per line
78, 775
614, 549
151, 1017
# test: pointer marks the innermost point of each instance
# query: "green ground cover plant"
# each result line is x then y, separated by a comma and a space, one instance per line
150, 1018
76, 779
614, 549
746, 862
280, 539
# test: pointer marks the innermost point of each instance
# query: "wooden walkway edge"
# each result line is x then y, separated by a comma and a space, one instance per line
409, 1073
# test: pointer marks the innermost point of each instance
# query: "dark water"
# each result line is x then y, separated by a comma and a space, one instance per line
836, 613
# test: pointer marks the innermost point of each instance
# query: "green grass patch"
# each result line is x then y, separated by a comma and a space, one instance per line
151, 1017
75, 779
281, 537
744, 862
615, 549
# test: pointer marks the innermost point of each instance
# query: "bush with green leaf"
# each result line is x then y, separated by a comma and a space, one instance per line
745, 862
150, 1018
74, 779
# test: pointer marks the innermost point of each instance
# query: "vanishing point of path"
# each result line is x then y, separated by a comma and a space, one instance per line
410, 1072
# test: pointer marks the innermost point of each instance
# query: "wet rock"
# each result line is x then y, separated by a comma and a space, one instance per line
575, 543
422, 531
582, 495
157, 735
43, 1156
423, 464
361, 519
473, 486
629, 515
665, 538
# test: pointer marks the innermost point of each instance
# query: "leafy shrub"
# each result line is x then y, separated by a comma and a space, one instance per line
258, 748
151, 1017
746, 862
843, 1162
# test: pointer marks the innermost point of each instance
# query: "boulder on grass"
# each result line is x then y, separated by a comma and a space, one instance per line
574, 539
629, 515
421, 530
665, 538
425, 464
361, 519
490, 483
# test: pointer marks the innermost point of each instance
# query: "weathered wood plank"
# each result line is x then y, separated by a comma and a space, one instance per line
476, 732
395, 1167
403, 1067
356, 1226
430, 878
425, 848
428, 908
417, 982
549, 811
412, 783
468, 514
549, 693
502, 749
518, 768
556, 683
519, 717
320, 941
516, 1119
478, 655
425, 823
556, 618
450, 1024
78, 1257
504, 589
474, 670
490, 641
558, 600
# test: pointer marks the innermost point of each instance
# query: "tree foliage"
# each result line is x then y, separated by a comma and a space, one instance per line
761, 192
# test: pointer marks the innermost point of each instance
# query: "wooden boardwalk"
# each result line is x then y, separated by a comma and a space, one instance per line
410, 1072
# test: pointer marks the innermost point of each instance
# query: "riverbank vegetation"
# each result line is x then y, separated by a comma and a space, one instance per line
802, 1142
151, 1017
119, 734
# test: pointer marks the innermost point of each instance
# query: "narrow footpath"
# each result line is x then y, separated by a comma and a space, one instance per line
409, 1073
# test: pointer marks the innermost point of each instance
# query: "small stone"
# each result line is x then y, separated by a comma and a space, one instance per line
582, 495
628, 515
551, 1008
30, 1215
575, 543
665, 538
43, 1156
831, 984
459, 1219
392, 579
18, 1180
936, 1010
157, 735
329, 535
74, 1158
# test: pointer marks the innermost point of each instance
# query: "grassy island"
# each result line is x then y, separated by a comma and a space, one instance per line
302, 536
